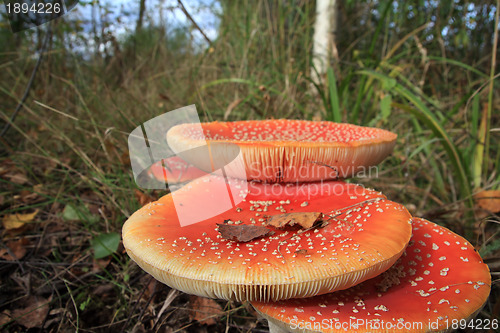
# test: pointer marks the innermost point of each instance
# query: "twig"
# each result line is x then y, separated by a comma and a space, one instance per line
190, 18
170, 298
30, 82
327, 166
124, 327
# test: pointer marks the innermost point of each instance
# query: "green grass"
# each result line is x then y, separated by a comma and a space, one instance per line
441, 98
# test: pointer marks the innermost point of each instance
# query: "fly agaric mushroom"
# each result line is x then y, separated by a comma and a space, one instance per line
362, 235
284, 150
438, 281
175, 170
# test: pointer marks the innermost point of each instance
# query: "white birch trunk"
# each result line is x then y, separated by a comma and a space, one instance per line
324, 45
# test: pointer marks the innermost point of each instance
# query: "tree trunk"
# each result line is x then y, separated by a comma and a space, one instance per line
324, 46
142, 9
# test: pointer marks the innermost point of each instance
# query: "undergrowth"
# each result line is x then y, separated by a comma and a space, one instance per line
65, 156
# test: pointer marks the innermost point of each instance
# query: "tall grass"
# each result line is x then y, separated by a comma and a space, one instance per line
397, 70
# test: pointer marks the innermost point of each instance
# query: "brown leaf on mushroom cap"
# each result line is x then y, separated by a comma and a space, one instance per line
242, 233
305, 219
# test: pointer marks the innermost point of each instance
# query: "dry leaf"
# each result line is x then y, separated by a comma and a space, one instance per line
5, 317
150, 286
23, 282
125, 159
28, 196
242, 232
103, 289
17, 178
33, 315
488, 200
10, 171
305, 219
16, 249
99, 265
143, 198
204, 310
15, 221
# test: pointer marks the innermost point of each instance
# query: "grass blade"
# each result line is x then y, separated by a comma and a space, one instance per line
425, 115
334, 98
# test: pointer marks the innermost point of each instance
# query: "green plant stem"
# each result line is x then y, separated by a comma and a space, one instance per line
487, 121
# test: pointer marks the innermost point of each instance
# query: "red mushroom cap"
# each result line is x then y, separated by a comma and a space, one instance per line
285, 150
439, 278
365, 236
175, 170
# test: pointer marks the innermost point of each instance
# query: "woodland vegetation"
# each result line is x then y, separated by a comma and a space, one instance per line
427, 70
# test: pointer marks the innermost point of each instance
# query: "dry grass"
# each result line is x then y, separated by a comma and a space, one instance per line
68, 148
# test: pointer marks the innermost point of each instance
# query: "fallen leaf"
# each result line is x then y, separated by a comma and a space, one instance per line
105, 244
33, 315
125, 159
242, 232
143, 198
10, 171
17, 178
305, 219
56, 316
488, 200
15, 221
16, 249
30, 196
99, 265
69, 213
5, 317
149, 287
103, 289
23, 282
204, 310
